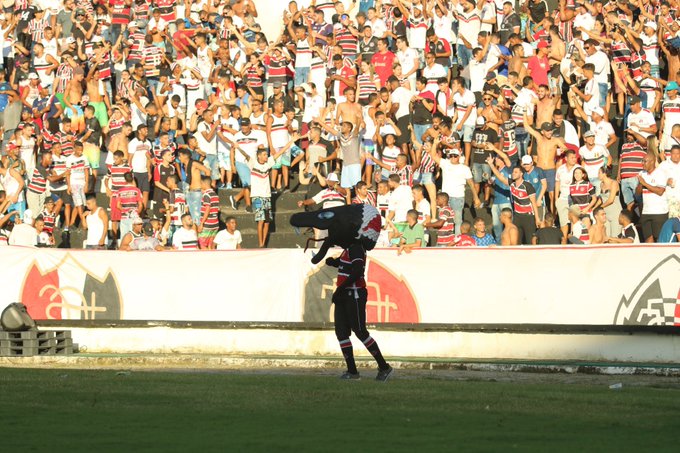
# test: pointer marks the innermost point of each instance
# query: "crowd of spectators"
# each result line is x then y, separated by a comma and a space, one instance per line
557, 124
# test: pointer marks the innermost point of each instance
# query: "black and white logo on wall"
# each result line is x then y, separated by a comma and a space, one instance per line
656, 299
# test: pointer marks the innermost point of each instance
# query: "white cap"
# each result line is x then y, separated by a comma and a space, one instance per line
333, 177
28, 216
526, 160
33, 76
306, 87
599, 111
650, 24
133, 24
70, 40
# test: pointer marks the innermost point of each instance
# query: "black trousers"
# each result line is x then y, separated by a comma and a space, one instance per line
350, 313
527, 227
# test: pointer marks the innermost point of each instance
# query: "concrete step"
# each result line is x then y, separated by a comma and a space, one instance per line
246, 220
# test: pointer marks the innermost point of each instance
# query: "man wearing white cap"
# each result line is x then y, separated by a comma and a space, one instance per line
603, 129
330, 197
23, 232
650, 45
670, 117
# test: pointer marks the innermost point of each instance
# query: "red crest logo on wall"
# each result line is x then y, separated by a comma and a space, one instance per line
70, 291
390, 298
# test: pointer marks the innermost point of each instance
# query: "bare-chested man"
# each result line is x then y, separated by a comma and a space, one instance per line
191, 172
546, 151
72, 97
510, 235
598, 230
99, 98
120, 140
545, 105
350, 110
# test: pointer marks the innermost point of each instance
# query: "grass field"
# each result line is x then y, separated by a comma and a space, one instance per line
66, 410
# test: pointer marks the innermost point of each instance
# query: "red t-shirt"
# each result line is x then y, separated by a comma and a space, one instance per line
539, 68
181, 38
382, 62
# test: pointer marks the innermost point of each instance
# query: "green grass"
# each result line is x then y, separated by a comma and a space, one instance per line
59, 410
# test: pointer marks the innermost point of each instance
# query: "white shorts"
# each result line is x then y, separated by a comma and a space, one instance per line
78, 194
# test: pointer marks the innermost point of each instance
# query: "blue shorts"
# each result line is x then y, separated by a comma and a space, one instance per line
211, 162
481, 172
426, 178
550, 178
604, 91
351, 175
467, 133
223, 160
282, 161
243, 173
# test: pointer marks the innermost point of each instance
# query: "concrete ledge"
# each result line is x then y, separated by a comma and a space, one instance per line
623, 347
194, 362
399, 327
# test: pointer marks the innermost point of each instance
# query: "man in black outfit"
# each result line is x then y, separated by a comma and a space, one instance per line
350, 310
354, 228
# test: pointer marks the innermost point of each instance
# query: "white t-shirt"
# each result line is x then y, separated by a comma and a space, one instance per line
313, 106
603, 130
139, 152
602, 68
651, 202
378, 27
423, 208
462, 102
593, 159
644, 118
454, 178
402, 97
23, 234
401, 202
672, 171
183, 239
259, 177
407, 60
563, 177
208, 147
593, 90
224, 240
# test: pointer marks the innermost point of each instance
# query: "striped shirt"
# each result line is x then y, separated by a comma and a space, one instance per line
78, 166
120, 13
445, 234
370, 199
117, 174
276, 69
581, 194
36, 28
129, 198
367, 85
631, 159
620, 52
179, 205
521, 201
210, 204
152, 56
345, 39
38, 182
253, 77
66, 141
167, 9
65, 75
58, 168
49, 218
353, 256
136, 46
329, 198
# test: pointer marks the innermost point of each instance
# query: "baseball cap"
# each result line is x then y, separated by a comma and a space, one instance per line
133, 23
526, 160
599, 111
589, 134
142, 126
650, 24
633, 100
33, 76
547, 127
455, 152
81, 11
306, 87
276, 84
136, 219
490, 76
201, 104
672, 86
332, 178
542, 45
70, 40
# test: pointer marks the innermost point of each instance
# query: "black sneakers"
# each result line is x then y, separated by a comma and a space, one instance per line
384, 375
234, 204
347, 376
